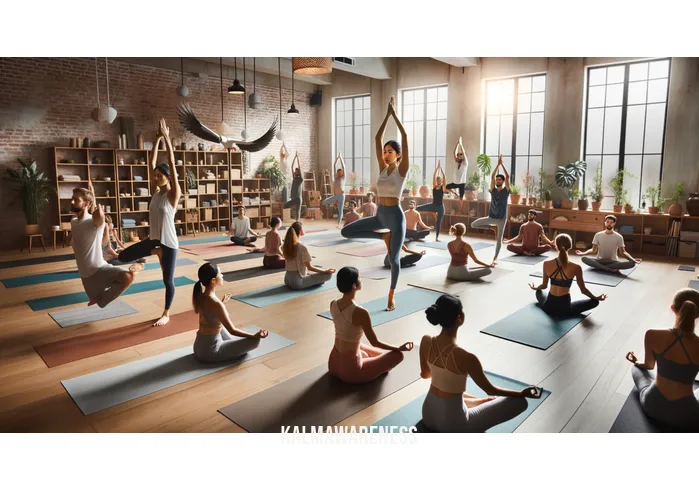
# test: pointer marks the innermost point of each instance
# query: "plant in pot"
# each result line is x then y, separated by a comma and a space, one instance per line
277, 179
567, 177
656, 201
675, 208
574, 195
542, 186
424, 189
352, 180
529, 182
484, 169
362, 186
595, 191
34, 189
471, 187
414, 175
515, 195
548, 203
583, 203
617, 185
191, 181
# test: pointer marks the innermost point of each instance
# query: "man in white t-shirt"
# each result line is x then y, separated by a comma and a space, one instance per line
605, 245
240, 230
102, 282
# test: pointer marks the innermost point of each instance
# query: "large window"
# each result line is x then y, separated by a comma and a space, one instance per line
625, 115
352, 126
424, 116
514, 124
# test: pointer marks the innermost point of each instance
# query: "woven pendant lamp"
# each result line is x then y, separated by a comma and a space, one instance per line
312, 66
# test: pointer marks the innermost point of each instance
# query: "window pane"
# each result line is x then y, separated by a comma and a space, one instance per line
595, 120
419, 138
632, 163
494, 97
340, 118
522, 163
492, 135
358, 103
615, 94
442, 110
638, 71
508, 97
659, 69
419, 96
358, 117
442, 137
431, 110
598, 76
408, 113
524, 85
523, 134
432, 95
431, 142
348, 141
612, 130
410, 130
635, 125
366, 138
615, 74
657, 90
593, 161
538, 101
507, 162
367, 116
535, 162
596, 96
524, 103
539, 84
442, 93
637, 92
419, 112
506, 135
651, 172
655, 123
610, 165
408, 97
358, 150
367, 102
340, 104
340, 140
536, 143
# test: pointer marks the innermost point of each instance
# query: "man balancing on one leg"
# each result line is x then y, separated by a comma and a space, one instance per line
103, 282
605, 245
413, 220
533, 240
497, 211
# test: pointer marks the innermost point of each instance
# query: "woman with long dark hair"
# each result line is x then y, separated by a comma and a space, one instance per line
298, 262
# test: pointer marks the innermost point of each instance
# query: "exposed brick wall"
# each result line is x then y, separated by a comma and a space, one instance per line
46, 101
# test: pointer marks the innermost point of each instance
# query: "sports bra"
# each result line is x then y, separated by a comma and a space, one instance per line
563, 281
346, 333
443, 378
390, 185
437, 195
683, 373
460, 257
209, 324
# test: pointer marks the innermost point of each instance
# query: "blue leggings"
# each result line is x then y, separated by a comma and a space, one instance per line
340, 198
167, 263
295, 202
390, 217
437, 208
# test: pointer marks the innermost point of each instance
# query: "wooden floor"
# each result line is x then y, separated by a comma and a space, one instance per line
585, 371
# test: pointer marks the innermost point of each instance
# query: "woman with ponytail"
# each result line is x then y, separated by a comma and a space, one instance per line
670, 397
215, 339
460, 251
562, 272
447, 407
298, 262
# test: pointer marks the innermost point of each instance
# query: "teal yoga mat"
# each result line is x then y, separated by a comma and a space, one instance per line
477, 246
235, 258
427, 261
39, 279
533, 327
277, 294
407, 302
81, 297
108, 388
411, 414
36, 260
205, 240
633, 419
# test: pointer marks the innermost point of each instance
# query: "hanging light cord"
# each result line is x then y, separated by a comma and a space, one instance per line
292, 87
97, 78
182, 69
254, 75
279, 61
220, 64
106, 64
245, 106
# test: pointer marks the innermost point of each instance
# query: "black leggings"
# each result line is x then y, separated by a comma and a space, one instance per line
561, 306
295, 202
462, 188
437, 208
167, 263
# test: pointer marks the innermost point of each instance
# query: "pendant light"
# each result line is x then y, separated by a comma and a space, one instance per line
280, 133
96, 110
182, 90
292, 109
236, 88
312, 66
244, 133
223, 128
107, 113
254, 101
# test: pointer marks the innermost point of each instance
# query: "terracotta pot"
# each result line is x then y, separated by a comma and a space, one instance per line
353, 191
583, 204
258, 176
31, 229
675, 210
532, 201
514, 198
617, 208
424, 192
566, 204
628, 209
539, 204
470, 195
413, 192
653, 210
361, 189
548, 204
693, 205
596, 205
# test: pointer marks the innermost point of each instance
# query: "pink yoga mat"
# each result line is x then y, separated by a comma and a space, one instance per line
366, 251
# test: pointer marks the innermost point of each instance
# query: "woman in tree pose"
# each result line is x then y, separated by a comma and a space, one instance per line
296, 183
437, 205
338, 189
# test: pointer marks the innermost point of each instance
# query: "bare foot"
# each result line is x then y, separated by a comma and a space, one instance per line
137, 268
391, 302
162, 321
475, 402
437, 240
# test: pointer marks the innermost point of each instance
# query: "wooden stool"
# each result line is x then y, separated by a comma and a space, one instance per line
65, 234
30, 238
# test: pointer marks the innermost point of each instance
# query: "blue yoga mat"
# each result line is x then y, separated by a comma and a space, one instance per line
81, 297
36, 260
205, 240
39, 279
693, 284
407, 302
426, 262
411, 413
277, 294
687, 268
477, 246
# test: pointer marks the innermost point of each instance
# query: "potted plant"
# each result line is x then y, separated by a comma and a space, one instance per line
574, 195
515, 195
596, 193
424, 190
583, 203
567, 176
656, 202
34, 189
191, 181
362, 185
529, 182
617, 185
352, 179
484, 168
675, 208
412, 179
628, 208
472, 185
277, 179
543, 187
548, 203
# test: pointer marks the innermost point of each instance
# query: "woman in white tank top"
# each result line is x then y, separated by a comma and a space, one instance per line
447, 407
350, 360
162, 240
394, 164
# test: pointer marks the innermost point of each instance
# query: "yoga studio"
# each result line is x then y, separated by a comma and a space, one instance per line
394, 249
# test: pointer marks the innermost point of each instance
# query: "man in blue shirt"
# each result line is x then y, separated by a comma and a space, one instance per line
497, 211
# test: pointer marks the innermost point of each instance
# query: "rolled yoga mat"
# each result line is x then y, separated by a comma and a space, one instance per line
411, 414
407, 302
316, 398
528, 260
477, 246
597, 277
98, 343
72, 317
108, 388
632, 418
379, 250
687, 268
80, 297
531, 326
39, 279
243, 274
235, 258
37, 260
427, 261
277, 294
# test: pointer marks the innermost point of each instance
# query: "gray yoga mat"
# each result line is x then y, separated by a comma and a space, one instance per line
315, 398
632, 418
334, 242
243, 274
113, 386
687, 268
533, 327
427, 261
597, 277
528, 260
36, 260
235, 258
477, 246
72, 317
265, 297
694, 284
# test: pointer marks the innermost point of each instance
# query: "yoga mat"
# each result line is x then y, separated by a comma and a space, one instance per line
277, 294
693, 284
632, 418
37, 260
531, 326
205, 240
67, 318
212, 249
316, 398
80, 297
235, 258
243, 274
427, 261
411, 414
407, 302
39, 279
98, 343
597, 277
687, 268
477, 246
453, 287
529, 260
379, 250
108, 388
334, 242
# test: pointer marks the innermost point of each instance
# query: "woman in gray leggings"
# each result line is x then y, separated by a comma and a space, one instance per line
298, 262
669, 398
216, 338
338, 190
447, 407
460, 251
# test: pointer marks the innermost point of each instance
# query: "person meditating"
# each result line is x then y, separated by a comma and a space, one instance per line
405, 261
605, 245
670, 397
562, 272
241, 234
533, 240
460, 251
298, 262
412, 221
497, 211
352, 216
273, 258
369, 208
350, 360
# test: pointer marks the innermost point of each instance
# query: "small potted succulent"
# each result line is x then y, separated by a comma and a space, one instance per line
628, 208
362, 186
574, 195
515, 195
675, 208
656, 201
583, 203
548, 203
595, 191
